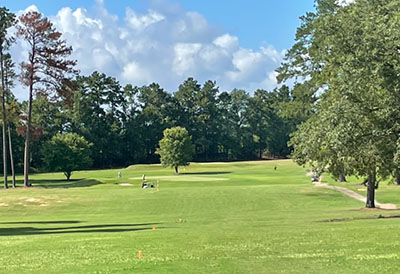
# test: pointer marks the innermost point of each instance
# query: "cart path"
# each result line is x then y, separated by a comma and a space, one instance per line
354, 195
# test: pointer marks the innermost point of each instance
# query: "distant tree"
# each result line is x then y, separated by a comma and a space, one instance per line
175, 148
207, 121
98, 115
47, 69
48, 119
235, 135
7, 20
66, 152
157, 113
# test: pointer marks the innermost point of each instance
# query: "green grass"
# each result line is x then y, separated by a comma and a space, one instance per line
240, 217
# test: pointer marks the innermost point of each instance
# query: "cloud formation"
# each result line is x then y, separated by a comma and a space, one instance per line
166, 44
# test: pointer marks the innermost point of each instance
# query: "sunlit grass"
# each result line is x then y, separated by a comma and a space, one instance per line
240, 217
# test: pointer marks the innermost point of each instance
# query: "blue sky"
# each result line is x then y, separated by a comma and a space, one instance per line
237, 43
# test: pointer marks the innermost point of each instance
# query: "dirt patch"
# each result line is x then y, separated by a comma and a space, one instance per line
35, 201
28, 201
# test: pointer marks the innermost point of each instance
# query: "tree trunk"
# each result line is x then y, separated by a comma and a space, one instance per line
371, 190
396, 177
68, 174
3, 109
11, 157
176, 169
342, 177
27, 137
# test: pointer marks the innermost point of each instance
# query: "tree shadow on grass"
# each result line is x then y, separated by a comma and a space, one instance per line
205, 173
361, 218
61, 183
101, 228
41, 222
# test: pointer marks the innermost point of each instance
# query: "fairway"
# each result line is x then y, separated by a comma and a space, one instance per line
239, 217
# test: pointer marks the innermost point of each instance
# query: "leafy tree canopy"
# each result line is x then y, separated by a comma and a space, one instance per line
66, 152
175, 148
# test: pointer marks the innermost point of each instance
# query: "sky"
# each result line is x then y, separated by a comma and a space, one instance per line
237, 43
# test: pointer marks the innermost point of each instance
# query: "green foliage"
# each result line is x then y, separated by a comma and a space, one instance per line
352, 56
66, 152
175, 148
7, 20
98, 113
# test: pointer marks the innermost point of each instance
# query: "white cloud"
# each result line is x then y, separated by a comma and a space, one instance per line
227, 41
140, 22
185, 58
31, 8
166, 45
135, 72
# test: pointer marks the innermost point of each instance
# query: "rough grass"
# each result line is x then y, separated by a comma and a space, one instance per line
241, 217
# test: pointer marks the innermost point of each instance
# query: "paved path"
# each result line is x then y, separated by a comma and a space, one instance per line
354, 195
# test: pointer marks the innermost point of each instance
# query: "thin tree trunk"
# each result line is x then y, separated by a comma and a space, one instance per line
27, 137
28, 123
3, 109
176, 170
371, 190
68, 174
341, 169
11, 157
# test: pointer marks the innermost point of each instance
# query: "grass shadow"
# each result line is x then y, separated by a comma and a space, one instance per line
61, 183
360, 218
40, 222
100, 228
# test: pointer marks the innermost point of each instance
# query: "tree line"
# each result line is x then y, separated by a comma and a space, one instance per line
121, 125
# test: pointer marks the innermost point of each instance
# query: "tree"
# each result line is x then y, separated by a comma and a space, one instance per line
7, 20
47, 68
157, 113
13, 112
236, 135
175, 148
97, 114
12, 108
352, 56
207, 133
66, 152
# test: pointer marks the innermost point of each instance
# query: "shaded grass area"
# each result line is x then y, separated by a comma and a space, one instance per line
241, 217
99, 228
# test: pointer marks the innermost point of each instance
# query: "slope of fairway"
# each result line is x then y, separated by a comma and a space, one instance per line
241, 217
